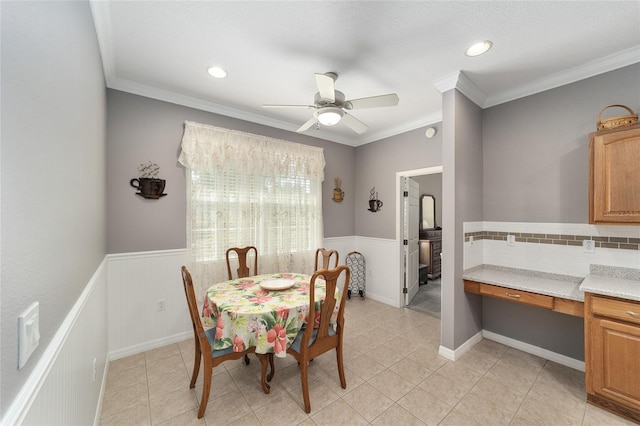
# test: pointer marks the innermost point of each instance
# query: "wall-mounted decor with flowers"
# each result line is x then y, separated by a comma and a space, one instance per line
338, 193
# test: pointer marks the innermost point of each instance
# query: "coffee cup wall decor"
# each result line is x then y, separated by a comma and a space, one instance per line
375, 205
148, 187
148, 184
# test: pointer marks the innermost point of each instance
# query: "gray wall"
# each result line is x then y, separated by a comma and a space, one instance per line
53, 170
142, 129
462, 202
376, 166
432, 185
535, 148
535, 170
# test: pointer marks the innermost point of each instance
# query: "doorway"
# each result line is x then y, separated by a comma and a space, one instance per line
428, 296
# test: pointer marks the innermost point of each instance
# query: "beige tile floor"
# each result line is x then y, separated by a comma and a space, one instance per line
394, 377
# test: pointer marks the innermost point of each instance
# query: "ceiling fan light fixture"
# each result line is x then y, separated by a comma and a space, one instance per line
330, 116
217, 72
479, 48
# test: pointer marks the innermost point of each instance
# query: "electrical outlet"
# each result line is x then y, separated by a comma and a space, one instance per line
511, 240
589, 246
162, 304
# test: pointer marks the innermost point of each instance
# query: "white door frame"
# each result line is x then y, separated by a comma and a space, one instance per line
400, 220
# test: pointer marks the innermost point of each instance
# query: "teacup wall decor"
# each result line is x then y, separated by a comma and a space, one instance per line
149, 185
374, 203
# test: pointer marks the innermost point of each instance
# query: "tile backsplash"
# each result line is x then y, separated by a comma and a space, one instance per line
624, 243
550, 247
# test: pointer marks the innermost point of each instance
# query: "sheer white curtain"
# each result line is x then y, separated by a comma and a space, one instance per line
245, 189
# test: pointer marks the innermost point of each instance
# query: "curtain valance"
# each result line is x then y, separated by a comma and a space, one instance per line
214, 149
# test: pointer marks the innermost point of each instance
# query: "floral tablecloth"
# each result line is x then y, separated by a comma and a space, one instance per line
245, 315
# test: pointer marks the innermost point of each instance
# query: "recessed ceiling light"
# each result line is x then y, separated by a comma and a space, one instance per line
479, 48
217, 72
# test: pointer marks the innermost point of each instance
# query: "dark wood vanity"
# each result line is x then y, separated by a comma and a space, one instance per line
430, 249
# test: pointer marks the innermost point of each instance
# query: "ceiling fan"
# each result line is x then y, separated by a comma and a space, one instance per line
331, 107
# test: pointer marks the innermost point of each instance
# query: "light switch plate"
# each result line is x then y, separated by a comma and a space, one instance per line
28, 333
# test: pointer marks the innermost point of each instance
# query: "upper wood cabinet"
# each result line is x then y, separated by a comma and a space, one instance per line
614, 175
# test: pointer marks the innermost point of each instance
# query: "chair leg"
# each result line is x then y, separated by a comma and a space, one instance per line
206, 388
304, 366
264, 359
196, 365
343, 380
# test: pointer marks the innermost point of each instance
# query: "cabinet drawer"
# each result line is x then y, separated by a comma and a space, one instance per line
436, 246
432, 233
618, 309
517, 296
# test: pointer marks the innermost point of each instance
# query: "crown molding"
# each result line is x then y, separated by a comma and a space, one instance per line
102, 23
459, 80
203, 105
598, 66
428, 120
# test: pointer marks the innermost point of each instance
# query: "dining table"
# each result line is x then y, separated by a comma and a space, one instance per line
266, 311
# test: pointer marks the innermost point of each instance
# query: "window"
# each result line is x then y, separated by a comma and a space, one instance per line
245, 189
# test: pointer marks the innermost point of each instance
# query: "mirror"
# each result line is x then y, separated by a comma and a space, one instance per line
428, 212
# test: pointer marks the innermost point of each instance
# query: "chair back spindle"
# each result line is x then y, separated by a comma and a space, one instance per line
243, 270
326, 256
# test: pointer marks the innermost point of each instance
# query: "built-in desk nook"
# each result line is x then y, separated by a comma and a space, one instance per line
609, 300
556, 292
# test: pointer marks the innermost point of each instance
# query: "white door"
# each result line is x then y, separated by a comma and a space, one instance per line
412, 238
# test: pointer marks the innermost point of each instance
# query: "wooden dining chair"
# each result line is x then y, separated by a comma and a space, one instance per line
310, 341
204, 348
243, 269
326, 256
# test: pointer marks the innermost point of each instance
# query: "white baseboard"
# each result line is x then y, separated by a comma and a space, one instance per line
535, 350
513, 343
147, 346
460, 350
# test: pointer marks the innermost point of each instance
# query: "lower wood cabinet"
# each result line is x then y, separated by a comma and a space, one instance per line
612, 354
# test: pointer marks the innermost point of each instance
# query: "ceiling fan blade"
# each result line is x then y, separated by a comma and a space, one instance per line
373, 101
354, 124
288, 106
326, 86
308, 124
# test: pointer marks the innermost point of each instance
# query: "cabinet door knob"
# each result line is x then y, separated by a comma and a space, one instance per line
633, 314
517, 296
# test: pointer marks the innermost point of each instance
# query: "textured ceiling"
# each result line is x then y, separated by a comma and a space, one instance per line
161, 49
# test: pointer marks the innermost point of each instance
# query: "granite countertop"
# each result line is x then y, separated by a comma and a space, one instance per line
613, 281
556, 285
606, 280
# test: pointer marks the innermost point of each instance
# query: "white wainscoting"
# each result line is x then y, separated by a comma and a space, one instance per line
137, 282
61, 389
383, 269
381, 259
